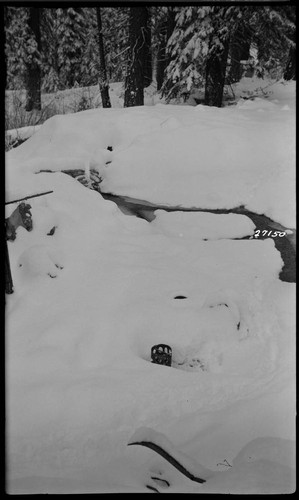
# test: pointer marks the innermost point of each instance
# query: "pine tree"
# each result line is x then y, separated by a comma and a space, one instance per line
16, 37
116, 35
50, 54
165, 30
147, 62
239, 50
204, 37
216, 61
138, 54
187, 48
273, 34
90, 63
69, 46
290, 67
103, 81
58, 59
70, 30
290, 71
33, 74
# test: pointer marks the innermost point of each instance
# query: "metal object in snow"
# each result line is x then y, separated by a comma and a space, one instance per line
161, 354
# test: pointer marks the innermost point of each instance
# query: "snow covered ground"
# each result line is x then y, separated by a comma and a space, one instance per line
91, 299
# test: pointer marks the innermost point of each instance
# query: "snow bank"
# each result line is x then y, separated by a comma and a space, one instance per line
204, 225
191, 164
92, 295
22, 133
78, 344
179, 155
263, 466
146, 435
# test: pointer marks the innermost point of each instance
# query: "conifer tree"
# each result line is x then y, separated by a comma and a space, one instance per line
70, 30
200, 44
138, 54
50, 54
116, 35
165, 30
103, 81
33, 62
239, 50
216, 61
17, 38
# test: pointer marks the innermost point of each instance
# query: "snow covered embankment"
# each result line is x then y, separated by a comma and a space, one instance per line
79, 376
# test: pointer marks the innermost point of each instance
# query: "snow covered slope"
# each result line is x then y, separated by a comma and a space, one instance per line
91, 299
180, 155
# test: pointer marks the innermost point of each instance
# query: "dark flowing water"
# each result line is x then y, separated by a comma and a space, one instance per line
286, 245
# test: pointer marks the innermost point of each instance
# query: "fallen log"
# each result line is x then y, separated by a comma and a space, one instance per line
159, 443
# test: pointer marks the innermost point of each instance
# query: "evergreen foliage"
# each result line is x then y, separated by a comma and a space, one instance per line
202, 32
33, 63
103, 81
20, 45
184, 47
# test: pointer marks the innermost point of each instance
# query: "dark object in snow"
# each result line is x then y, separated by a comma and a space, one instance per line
52, 231
14, 143
26, 216
163, 482
8, 276
158, 449
91, 182
161, 354
180, 297
158, 442
220, 304
149, 487
27, 197
21, 216
110, 148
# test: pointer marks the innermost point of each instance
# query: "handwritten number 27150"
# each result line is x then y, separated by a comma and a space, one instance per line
272, 234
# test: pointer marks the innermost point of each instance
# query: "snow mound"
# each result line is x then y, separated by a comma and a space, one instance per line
78, 368
180, 155
40, 260
204, 225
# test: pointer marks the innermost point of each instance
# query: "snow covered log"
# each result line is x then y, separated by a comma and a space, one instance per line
158, 442
21, 134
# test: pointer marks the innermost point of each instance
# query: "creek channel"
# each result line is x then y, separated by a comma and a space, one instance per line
143, 209
286, 245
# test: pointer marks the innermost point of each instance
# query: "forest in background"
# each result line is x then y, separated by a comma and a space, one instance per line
178, 47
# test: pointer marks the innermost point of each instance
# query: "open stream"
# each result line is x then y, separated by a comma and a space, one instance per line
286, 244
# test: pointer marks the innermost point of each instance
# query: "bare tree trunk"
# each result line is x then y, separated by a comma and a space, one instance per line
147, 61
215, 76
239, 51
103, 80
33, 78
134, 84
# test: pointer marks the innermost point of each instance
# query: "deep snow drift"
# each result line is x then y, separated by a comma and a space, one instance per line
182, 155
91, 299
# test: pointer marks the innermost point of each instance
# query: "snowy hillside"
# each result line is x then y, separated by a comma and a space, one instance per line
93, 297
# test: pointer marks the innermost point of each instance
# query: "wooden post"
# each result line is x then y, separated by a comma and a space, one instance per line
8, 276
28, 197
